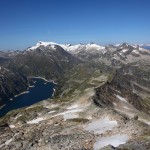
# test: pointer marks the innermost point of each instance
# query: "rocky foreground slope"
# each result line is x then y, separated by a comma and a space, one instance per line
101, 101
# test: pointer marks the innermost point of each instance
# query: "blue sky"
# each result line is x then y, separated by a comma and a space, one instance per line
25, 22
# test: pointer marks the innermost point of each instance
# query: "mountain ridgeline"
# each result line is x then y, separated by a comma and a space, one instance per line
48, 62
45, 61
105, 90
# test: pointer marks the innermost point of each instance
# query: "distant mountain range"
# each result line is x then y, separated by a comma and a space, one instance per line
146, 46
50, 60
121, 52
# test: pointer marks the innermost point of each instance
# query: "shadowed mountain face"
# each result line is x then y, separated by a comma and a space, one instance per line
49, 62
132, 88
11, 84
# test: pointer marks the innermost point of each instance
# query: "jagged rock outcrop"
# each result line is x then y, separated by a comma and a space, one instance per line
133, 87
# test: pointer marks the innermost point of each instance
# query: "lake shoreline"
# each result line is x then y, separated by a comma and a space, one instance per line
2, 106
31, 95
34, 77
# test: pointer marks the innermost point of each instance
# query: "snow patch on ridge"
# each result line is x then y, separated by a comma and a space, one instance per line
12, 126
50, 112
120, 98
125, 50
73, 106
72, 112
102, 125
35, 121
69, 114
136, 52
8, 141
114, 140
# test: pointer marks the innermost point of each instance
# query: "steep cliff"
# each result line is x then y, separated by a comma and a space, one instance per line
11, 84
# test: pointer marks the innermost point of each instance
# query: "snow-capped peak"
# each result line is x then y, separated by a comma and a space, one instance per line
46, 43
40, 43
94, 46
144, 44
74, 47
83, 47
117, 45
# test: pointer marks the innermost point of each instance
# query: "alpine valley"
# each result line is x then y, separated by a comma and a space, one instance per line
101, 99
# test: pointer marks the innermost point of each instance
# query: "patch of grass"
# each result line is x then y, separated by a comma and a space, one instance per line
78, 120
111, 76
79, 78
63, 99
25, 114
11, 114
34, 109
55, 109
22, 118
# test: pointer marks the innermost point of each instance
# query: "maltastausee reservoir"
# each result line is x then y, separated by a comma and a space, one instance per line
41, 90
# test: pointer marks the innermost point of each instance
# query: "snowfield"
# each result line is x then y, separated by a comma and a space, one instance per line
12, 126
114, 140
102, 125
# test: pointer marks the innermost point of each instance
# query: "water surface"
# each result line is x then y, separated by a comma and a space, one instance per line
41, 90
